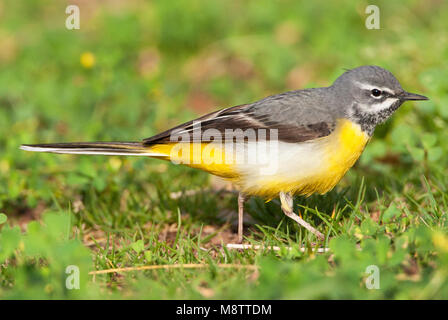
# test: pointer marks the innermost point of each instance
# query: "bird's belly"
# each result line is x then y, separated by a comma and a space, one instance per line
310, 167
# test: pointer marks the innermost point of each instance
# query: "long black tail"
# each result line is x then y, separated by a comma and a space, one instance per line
93, 148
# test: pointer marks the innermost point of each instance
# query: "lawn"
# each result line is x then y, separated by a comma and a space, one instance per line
136, 68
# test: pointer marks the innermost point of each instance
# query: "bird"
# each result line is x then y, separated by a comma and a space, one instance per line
298, 142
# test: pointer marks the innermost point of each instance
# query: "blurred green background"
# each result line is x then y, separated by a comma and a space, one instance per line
135, 68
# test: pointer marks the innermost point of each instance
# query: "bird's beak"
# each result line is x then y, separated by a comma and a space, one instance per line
412, 96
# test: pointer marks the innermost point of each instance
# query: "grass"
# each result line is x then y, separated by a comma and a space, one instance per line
137, 68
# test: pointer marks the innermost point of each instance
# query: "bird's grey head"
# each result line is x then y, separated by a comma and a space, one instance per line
371, 94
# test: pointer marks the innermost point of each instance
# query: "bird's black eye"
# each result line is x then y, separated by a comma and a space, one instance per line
376, 93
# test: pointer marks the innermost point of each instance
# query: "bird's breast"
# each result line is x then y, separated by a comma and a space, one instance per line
343, 148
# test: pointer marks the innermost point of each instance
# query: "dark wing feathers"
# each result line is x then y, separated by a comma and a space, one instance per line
293, 122
214, 117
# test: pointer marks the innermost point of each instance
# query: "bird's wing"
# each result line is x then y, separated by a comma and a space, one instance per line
288, 113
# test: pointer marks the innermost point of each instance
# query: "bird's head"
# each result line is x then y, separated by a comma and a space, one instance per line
371, 95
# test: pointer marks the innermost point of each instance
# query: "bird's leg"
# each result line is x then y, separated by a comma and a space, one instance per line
241, 199
286, 200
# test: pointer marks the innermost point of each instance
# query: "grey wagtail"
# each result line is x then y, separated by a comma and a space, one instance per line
313, 136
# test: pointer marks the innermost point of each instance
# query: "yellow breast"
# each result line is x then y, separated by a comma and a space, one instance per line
342, 148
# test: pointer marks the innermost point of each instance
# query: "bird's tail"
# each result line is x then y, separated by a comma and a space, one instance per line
94, 148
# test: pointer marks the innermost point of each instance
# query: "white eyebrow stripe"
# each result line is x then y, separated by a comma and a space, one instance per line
370, 87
